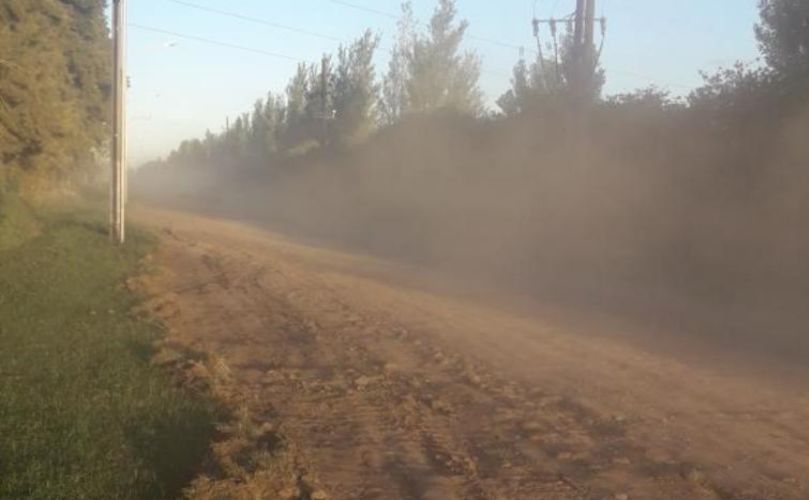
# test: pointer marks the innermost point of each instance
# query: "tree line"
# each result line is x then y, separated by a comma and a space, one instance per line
55, 86
701, 199
341, 101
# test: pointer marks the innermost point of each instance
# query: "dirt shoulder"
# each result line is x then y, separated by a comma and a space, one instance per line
349, 384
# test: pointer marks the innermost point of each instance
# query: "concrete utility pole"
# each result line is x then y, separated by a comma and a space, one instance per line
583, 24
578, 33
589, 23
118, 177
583, 33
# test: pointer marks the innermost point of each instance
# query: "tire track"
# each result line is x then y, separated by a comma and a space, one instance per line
338, 394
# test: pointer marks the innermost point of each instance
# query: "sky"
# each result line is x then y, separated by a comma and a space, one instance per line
181, 86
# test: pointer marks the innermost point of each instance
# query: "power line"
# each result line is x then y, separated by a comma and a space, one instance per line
265, 22
213, 42
243, 17
649, 78
492, 41
365, 9
391, 15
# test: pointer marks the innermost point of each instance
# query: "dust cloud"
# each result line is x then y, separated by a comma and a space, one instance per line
667, 220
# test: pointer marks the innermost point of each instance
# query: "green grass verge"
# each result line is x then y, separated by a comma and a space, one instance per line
17, 222
83, 414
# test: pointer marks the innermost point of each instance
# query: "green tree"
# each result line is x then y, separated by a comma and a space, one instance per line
54, 87
514, 100
355, 90
319, 109
275, 116
532, 86
581, 74
440, 76
550, 82
783, 36
259, 132
393, 101
265, 128
296, 93
649, 99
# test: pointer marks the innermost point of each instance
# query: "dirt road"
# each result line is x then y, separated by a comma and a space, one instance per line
350, 380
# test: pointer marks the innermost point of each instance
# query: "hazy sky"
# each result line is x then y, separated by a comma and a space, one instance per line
182, 87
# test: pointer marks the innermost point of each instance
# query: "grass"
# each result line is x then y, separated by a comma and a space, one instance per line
17, 223
83, 414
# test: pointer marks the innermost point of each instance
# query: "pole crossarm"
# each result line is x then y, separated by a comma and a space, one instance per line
581, 27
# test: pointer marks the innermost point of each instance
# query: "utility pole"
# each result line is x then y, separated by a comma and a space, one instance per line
583, 62
580, 47
578, 34
118, 177
589, 23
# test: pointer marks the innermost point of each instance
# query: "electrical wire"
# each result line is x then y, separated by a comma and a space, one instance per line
213, 42
365, 9
391, 15
651, 79
256, 20
242, 17
555, 5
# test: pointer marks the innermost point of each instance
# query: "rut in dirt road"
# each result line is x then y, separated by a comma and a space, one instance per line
369, 427
366, 404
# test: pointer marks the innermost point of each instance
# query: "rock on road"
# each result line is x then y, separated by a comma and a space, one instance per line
357, 382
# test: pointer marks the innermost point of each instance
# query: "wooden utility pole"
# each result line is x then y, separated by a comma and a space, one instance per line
118, 177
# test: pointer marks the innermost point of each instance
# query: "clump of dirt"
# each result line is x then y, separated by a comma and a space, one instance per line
249, 458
